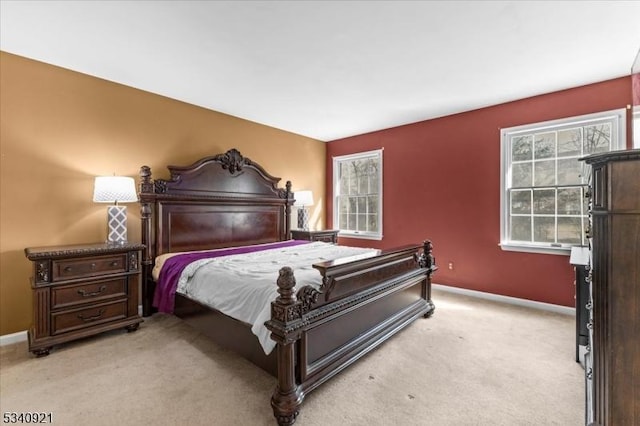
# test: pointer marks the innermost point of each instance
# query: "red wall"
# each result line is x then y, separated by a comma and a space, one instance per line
442, 182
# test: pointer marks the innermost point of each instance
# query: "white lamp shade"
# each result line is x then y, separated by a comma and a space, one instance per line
114, 189
303, 198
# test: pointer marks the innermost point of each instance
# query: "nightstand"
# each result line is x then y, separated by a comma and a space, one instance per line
328, 236
82, 290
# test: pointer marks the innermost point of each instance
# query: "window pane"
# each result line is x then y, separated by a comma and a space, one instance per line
570, 142
545, 173
344, 186
521, 148
569, 171
362, 222
373, 183
363, 185
351, 225
373, 223
372, 204
344, 170
362, 204
359, 168
521, 228
569, 200
544, 201
570, 230
344, 223
353, 205
521, 202
344, 204
544, 229
597, 138
521, 176
353, 186
545, 145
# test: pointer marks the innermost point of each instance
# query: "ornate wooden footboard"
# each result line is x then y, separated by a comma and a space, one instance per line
362, 303
228, 200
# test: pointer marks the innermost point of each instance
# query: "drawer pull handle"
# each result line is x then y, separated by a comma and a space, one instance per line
83, 293
68, 269
93, 318
93, 266
114, 263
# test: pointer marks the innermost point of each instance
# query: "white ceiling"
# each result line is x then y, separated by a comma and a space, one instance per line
332, 69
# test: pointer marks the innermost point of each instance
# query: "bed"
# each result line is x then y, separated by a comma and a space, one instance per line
228, 201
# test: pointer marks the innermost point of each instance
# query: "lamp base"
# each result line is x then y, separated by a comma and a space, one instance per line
303, 218
117, 224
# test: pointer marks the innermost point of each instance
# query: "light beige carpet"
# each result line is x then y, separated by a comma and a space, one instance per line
473, 363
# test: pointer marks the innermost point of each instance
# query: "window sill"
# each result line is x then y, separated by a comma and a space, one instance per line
562, 251
355, 235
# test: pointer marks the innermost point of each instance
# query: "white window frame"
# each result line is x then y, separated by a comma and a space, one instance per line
635, 116
336, 194
618, 120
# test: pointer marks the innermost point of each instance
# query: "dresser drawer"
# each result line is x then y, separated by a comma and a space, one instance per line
71, 295
65, 269
70, 320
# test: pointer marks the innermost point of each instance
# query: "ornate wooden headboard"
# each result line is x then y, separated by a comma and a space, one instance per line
224, 200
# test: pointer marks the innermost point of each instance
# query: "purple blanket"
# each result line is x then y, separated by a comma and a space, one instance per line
164, 297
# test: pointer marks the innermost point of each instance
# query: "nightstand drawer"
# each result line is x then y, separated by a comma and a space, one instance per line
89, 266
70, 295
326, 236
66, 321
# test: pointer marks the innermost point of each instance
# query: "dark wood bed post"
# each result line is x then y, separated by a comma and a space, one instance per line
146, 187
285, 326
429, 262
287, 210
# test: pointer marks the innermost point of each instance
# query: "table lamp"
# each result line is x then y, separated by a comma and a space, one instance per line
303, 199
115, 189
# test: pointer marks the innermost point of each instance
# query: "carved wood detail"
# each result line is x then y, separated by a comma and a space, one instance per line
232, 160
133, 261
42, 271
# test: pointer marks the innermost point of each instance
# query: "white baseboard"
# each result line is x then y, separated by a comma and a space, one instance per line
8, 339
507, 299
21, 336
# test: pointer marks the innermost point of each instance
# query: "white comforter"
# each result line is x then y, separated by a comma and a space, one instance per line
244, 285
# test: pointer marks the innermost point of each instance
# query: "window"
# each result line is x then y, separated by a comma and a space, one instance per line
357, 189
543, 183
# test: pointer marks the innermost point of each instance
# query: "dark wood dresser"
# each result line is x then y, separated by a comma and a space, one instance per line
328, 236
613, 362
82, 290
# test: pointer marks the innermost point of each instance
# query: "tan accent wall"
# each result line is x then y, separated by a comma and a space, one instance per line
59, 129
